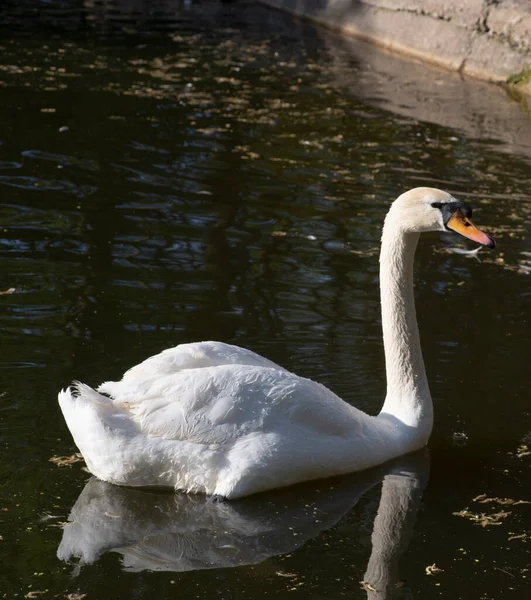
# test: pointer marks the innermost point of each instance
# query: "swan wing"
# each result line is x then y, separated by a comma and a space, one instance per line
217, 405
185, 356
195, 356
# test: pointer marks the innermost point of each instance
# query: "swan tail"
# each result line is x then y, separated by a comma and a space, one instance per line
101, 431
111, 388
84, 391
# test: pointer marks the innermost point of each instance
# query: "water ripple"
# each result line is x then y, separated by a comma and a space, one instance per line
9, 164
29, 182
62, 159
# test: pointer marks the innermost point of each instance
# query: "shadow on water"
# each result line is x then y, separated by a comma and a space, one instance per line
180, 532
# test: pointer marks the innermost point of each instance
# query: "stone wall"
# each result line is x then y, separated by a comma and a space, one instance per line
488, 39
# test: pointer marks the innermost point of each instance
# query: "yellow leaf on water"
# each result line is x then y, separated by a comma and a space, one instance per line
66, 461
433, 569
367, 587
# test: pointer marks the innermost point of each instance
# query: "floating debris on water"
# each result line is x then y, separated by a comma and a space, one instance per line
484, 499
66, 461
459, 438
483, 519
523, 450
433, 569
457, 250
367, 587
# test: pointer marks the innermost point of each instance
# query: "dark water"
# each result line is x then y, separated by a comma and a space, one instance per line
174, 172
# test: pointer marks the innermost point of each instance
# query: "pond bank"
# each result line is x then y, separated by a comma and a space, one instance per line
481, 38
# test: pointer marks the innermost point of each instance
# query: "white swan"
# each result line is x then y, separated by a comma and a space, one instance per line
214, 418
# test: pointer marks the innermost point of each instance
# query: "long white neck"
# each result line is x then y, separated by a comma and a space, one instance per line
408, 396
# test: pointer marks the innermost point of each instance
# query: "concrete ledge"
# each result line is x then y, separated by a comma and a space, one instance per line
487, 40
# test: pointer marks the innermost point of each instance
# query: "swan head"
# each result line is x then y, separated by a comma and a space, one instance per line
430, 209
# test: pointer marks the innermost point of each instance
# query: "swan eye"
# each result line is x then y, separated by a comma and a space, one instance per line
437, 204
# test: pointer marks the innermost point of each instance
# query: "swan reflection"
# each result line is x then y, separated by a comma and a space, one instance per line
181, 532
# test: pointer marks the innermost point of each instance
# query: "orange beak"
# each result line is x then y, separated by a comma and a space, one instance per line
464, 226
